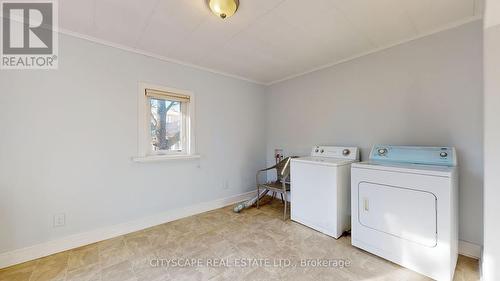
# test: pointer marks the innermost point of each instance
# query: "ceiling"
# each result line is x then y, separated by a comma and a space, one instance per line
266, 40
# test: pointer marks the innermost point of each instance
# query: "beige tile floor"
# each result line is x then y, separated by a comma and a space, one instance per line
254, 237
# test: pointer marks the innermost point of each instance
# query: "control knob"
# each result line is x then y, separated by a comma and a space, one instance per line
382, 151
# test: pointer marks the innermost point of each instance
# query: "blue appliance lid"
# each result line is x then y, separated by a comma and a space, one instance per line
426, 155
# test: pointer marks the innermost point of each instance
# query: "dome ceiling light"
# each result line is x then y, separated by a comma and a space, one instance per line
223, 8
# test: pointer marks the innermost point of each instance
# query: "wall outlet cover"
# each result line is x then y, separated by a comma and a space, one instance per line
59, 220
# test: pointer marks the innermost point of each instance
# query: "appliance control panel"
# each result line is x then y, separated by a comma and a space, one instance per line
336, 152
426, 155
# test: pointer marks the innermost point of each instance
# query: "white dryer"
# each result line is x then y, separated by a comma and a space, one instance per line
320, 189
404, 207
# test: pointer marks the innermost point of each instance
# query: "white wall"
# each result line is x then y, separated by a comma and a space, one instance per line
67, 137
425, 92
491, 13
491, 254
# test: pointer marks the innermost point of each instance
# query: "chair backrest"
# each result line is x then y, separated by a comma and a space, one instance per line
283, 169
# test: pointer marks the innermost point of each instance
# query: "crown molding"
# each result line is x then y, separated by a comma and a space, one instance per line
153, 55
198, 67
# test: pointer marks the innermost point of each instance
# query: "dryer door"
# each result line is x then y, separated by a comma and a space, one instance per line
405, 213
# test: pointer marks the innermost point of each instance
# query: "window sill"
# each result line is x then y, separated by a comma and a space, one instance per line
159, 158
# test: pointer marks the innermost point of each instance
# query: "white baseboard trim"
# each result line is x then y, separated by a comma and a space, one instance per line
469, 249
481, 259
81, 239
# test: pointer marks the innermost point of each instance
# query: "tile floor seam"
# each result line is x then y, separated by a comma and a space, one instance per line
66, 269
98, 262
33, 271
128, 249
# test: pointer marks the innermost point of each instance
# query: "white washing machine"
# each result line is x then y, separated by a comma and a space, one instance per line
404, 207
320, 189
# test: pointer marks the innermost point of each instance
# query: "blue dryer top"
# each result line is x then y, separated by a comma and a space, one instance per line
426, 155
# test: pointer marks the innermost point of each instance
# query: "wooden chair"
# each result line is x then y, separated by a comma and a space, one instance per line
282, 183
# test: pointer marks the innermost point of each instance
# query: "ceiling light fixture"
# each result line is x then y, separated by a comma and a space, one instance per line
223, 8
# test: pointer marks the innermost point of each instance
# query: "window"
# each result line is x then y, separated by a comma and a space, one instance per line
165, 123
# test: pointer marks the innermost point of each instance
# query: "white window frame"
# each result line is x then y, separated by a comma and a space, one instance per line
145, 153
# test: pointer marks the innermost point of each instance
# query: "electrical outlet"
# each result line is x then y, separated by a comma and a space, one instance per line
59, 220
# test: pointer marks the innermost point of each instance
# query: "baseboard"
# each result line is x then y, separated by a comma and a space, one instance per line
469, 249
82, 239
481, 259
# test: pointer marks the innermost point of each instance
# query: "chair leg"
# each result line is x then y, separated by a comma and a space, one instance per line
282, 201
258, 195
284, 212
